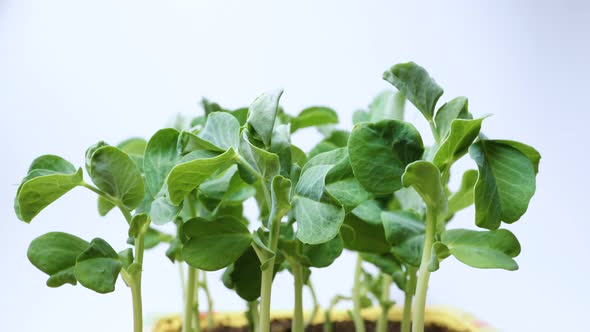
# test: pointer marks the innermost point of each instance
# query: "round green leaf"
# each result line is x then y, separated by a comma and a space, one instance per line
505, 185
244, 276
483, 249
115, 173
318, 215
222, 130
262, 114
379, 153
405, 233
213, 245
314, 116
457, 108
456, 145
55, 254
49, 178
161, 155
187, 176
362, 236
324, 254
98, 267
415, 83
425, 178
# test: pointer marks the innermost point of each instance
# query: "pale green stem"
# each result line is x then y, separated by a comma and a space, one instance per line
267, 274
424, 274
196, 311
408, 297
253, 315
297, 322
205, 287
359, 324
385, 304
316, 303
190, 297
182, 281
136, 285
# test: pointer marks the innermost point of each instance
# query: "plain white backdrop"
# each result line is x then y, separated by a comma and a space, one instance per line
75, 72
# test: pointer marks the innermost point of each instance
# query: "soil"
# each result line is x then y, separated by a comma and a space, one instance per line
284, 325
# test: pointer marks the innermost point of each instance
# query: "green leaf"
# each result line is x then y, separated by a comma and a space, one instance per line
318, 215
439, 253
256, 163
369, 211
415, 83
49, 178
483, 249
162, 210
135, 148
138, 224
340, 180
463, 197
281, 146
187, 176
386, 147
298, 157
189, 142
425, 178
222, 130
88, 155
115, 173
359, 235
104, 206
405, 233
161, 155
318, 221
388, 105
213, 245
455, 109
262, 114
505, 185
533, 155
280, 195
323, 254
126, 258
245, 276
55, 254
409, 199
456, 145
98, 267
314, 116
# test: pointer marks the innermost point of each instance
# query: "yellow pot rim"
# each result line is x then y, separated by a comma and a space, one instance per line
449, 317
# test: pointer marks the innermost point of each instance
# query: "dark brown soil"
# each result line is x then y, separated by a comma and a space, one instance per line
284, 325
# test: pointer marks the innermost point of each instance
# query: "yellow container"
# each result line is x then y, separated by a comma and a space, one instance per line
443, 316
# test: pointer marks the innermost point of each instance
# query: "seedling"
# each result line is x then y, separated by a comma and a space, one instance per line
69, 259
389, 155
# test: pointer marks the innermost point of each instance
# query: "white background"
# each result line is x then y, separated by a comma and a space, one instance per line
73, 73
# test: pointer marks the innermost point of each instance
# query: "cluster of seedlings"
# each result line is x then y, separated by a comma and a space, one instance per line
375, 190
